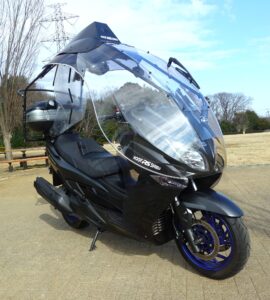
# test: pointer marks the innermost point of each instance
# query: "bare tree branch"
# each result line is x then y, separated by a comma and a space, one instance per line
226, 105
19, 45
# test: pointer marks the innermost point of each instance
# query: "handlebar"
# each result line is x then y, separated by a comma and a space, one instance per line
117, 116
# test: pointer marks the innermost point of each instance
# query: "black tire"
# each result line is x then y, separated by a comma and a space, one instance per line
239, 255
74, 221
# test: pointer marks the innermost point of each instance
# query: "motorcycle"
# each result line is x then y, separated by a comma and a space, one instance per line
151, 153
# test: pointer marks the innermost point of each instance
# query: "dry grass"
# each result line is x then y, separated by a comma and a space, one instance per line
242, 149
248, 149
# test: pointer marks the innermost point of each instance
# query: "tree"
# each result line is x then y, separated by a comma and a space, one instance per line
19, 43
226, 105
227, 127
241, 122
257, 123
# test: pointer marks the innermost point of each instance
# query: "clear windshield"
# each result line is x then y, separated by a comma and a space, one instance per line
68, 87
153, 116
63, 85
150, 114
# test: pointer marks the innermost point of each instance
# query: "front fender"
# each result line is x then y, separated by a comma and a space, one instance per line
209, 200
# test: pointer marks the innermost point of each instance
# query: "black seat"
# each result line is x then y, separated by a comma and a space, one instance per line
88, 156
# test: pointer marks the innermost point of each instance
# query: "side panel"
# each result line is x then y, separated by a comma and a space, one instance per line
209, 200
147, 200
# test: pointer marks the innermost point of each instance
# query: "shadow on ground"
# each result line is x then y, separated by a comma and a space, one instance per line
116, 242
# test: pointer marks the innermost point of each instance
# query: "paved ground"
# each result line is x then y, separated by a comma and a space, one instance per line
42, 258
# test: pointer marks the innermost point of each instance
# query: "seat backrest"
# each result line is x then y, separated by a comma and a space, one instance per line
89, 145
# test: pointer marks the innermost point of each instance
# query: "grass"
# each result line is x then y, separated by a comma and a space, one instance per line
242, 149
248, 149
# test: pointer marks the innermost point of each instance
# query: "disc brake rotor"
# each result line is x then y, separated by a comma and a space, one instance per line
214, 245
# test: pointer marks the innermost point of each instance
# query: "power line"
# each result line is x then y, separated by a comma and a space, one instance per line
58, 17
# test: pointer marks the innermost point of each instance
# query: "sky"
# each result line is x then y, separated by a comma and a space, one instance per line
225, 44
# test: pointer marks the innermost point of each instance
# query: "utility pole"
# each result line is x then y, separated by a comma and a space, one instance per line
58, 17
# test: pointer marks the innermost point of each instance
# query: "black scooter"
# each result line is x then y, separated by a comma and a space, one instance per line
150, 175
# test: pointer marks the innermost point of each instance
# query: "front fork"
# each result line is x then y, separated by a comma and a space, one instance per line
184, 218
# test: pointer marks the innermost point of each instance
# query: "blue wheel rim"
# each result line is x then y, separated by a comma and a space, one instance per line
72, 219
225, 239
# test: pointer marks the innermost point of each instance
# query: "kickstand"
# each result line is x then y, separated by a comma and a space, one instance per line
93, 244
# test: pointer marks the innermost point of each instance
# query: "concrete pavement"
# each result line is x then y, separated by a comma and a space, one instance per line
42, 258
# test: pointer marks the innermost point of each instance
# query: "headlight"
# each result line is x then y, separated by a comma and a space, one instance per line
194, 160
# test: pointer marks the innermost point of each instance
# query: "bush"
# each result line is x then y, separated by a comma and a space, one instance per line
17, 140
227, 127
1, 142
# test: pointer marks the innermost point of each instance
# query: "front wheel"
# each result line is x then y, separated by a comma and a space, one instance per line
223, 242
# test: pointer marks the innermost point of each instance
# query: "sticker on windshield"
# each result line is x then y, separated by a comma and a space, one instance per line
146, 163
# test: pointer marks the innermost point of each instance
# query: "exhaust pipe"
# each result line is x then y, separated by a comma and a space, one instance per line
56, 197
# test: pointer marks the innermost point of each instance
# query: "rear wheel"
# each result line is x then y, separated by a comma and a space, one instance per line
223, 242
74, 221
